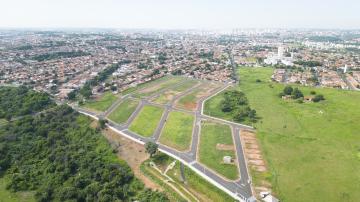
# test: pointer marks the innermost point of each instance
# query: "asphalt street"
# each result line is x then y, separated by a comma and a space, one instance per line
239, 187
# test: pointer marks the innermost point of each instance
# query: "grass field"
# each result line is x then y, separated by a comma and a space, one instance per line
177, 132
211, 135
122, 113
147, 121
313, 149
170, 94
7, 196
189, 101
101, 104
144, 85
157, 86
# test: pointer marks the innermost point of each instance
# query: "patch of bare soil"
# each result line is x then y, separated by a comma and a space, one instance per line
224, 147
152, 88
254, 158
133, 153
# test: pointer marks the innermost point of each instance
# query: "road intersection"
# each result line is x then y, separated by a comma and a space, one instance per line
239, 189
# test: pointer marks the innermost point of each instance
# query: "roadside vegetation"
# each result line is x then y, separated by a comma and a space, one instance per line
198, 186
312, 149
216, 142
177, 131
147, 121
123, 112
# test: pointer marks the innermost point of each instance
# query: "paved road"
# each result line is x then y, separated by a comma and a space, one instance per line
240, 189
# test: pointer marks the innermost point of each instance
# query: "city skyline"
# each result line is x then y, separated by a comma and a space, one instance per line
160, 14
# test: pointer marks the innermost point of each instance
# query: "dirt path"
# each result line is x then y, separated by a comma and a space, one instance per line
133, 153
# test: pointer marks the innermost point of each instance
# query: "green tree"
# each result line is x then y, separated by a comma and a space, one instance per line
296, 94
151, 148
318, 98
102, 123
288, 90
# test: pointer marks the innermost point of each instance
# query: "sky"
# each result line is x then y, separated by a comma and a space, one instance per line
180, 14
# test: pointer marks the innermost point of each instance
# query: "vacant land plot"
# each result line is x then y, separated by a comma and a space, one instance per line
147, 121
190, 100
144, 85
178, 130
212, 107
213, 134
170, 94
122, 113
158, 86
101, 103
312, 149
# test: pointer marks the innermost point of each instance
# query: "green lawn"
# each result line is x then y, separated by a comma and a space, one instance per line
177, 132
211, 135
122, 113
147, 121
101, 104
7, 196
313, 149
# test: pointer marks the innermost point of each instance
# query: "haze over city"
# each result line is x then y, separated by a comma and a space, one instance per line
185, 14
174, 101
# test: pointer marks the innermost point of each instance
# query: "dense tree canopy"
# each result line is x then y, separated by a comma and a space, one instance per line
236, 103
60, 157
21, 101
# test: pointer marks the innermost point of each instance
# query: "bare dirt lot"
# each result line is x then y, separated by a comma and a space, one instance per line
252, 151
224, 147
133, 153
254, 158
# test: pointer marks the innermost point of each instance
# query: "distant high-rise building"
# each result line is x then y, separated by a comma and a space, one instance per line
281, 51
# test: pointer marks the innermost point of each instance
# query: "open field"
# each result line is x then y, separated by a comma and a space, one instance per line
158, 86
146, 122
170, 94
8, 196
144, 85
122, 113
102, 103
312, 148
190, 100
212, 135
178, 130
